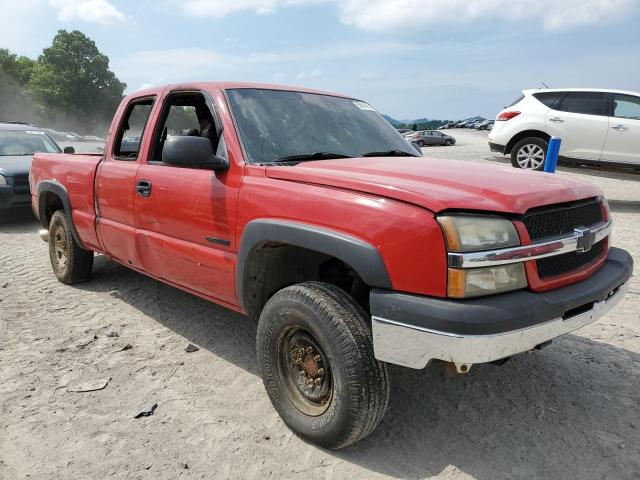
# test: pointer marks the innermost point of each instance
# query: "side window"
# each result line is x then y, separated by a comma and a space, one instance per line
549, 99
626, 106
185, 114
129, 135
588, 103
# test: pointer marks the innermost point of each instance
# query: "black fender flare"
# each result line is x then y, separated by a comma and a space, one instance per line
363, 257
57, 188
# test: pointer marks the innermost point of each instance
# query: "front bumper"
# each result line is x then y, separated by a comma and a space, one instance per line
9, 198
411, 330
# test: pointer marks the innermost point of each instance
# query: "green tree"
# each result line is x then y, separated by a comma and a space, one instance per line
16, 68
73, 77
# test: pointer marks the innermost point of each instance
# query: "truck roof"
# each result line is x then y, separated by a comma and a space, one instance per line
228, 85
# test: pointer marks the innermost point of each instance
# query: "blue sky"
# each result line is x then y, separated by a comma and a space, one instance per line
408, 58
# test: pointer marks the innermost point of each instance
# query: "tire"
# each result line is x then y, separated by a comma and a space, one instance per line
529, 153
315, 326
421, 143
449, 143
70, 262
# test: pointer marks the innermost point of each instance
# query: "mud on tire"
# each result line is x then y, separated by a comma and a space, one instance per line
315, 353
70, 262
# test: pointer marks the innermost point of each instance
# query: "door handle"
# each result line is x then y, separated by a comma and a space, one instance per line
143, 188
556, 120
620, 128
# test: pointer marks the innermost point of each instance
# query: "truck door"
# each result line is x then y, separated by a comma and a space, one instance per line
185, 217
623, 140
115, 183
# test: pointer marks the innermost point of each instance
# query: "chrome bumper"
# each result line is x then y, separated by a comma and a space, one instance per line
414, 347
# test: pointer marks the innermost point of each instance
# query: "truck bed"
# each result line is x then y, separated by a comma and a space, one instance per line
76, 174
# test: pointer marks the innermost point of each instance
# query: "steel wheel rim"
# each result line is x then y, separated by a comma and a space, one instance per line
305, 372
60, 248
530, 156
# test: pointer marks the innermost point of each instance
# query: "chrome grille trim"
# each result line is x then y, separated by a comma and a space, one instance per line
534, 251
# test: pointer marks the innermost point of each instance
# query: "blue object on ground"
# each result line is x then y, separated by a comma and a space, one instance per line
553, 152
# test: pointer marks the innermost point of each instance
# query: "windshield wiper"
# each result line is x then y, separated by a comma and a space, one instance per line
390, 153
312, 156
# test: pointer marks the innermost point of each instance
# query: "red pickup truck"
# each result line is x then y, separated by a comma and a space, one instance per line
309, 212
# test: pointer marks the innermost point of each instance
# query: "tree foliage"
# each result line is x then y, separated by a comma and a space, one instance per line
70, 83
18, 69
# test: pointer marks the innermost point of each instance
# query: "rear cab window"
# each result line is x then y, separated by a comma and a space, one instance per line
131, 129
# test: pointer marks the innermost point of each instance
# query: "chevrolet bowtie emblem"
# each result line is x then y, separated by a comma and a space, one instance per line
586, 239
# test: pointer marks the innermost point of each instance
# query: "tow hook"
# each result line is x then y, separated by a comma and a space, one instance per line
44, 235
451, 368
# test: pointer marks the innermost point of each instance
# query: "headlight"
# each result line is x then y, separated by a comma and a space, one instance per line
3, 181
469, 233
474, 282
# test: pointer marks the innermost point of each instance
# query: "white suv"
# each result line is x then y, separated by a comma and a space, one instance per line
594, 125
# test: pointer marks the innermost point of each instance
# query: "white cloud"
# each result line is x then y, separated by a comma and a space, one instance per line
385, 15
395, 15
221, 8
311, 75
96, 11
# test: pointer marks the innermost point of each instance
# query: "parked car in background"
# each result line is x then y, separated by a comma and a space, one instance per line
596, 127
486, 125
431, 137
18, 143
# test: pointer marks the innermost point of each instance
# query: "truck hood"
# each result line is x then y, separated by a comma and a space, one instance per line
438, 185
11, 165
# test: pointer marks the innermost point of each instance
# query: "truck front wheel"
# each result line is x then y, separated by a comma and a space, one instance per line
70, 262
315, 353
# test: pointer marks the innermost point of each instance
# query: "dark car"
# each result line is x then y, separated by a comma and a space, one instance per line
486, 125
18, 143
431, 137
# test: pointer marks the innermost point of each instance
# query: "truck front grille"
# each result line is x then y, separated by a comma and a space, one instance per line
562, 219
568, 262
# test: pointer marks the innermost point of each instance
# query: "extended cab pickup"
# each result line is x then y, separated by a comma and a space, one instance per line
309, 212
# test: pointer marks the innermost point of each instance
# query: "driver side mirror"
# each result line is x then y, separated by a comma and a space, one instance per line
192, 152
69, 150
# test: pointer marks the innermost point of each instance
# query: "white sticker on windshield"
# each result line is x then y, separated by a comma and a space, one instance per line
363, 105
34, 132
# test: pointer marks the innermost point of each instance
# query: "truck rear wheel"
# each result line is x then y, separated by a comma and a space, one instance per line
315, 353
70, 262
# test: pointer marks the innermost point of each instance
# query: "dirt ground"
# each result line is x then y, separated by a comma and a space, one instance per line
569, 411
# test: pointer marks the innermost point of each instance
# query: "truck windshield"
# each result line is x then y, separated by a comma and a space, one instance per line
278, 125
25, 142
